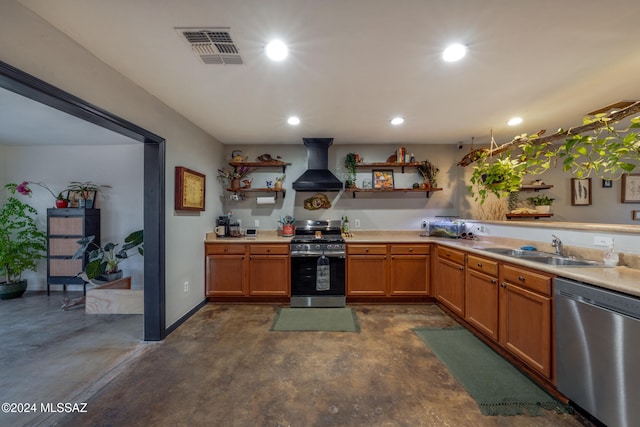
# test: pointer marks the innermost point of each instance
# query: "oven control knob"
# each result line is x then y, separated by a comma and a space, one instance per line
317, 246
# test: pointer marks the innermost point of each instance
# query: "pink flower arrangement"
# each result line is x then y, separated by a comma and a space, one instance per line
23, 188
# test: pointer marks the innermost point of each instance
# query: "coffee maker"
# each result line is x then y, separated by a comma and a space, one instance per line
223, 221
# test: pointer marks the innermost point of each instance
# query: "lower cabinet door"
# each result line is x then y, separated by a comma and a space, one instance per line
409, 275
366, 275
269, 275
450, 285
481, 302
225, 275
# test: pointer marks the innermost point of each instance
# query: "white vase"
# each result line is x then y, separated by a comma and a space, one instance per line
543, 208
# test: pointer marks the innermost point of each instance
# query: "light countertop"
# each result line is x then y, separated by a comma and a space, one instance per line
621, 279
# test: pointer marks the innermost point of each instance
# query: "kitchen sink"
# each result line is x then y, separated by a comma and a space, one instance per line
513, 252
562, 261
543, 257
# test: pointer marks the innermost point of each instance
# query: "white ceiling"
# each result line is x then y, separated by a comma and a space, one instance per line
354, 64
27, 122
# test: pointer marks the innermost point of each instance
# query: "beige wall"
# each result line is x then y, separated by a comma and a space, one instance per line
32, 45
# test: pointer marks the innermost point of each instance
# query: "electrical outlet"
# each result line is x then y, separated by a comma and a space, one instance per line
256, 223
357, 223
605, 241
186, 286
424, 224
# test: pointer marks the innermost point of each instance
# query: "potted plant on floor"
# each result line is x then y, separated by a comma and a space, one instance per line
104, 261
22, 244
542, 203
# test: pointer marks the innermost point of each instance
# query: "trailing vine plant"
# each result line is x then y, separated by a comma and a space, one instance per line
606, 152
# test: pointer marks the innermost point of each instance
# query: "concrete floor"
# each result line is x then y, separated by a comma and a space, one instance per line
223, 367
50, 355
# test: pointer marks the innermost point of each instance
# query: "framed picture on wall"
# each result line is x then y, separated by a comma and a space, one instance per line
631, 188
580, 191
607, 183
382, 179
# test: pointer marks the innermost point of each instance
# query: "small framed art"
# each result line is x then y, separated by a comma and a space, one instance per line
607, 183
631, 188
580, 191
382, 179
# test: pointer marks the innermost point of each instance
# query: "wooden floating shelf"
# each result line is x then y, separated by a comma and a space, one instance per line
531, 215
535, 187
428, 192
260, 190
274, 163
388, 165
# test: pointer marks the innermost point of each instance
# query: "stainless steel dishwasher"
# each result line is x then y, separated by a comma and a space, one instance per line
598, 351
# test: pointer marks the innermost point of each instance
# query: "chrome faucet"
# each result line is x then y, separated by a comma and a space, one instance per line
557, 243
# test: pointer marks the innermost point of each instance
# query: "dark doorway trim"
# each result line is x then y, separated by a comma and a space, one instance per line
31, 87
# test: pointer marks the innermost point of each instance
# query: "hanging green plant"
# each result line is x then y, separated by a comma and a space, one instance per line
499, 176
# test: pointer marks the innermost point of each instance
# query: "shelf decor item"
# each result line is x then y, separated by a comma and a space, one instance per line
580, 191
382, 179
542, 203
631, 188
189, 190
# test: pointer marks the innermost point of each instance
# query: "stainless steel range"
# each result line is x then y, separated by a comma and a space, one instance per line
318, 264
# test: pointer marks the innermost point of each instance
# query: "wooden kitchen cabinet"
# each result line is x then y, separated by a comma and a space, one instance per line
481, 295
409, 269
269, 270
525, 316
366, 270
450, 277
226, 270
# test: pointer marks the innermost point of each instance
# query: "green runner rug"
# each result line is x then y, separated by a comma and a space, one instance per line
497, 386
316, 319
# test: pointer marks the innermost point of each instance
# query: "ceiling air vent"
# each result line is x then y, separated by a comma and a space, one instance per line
212, 45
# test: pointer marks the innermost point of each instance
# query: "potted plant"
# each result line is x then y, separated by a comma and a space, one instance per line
351, 163
61, 200
542, 203
86, 190
104, 261
22, 244
235, 176
287, 225
429, 173
502, 176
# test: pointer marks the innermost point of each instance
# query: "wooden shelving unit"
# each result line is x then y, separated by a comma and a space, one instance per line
531, 215
274, 163
260, 190
388, 165
428, 192
531, 187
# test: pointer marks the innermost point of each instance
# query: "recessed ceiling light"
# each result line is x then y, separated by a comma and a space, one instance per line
397, 121
276, 50
293, 120
514, 121
454, 52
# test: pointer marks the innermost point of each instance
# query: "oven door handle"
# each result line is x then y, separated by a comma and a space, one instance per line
316, 255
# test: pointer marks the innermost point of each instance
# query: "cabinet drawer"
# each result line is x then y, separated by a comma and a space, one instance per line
483, 265
66, 226
534, 281
63, 247
366, 249
225, 249
269, 249
451, 254
65, 267
409, 249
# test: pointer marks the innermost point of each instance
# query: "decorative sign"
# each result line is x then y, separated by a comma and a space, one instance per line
190, 190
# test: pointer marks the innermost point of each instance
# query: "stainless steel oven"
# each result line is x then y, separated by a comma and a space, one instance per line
318, 265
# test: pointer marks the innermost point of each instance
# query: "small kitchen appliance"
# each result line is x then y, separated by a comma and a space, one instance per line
222, 226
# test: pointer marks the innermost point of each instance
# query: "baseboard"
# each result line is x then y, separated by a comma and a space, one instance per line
184, 318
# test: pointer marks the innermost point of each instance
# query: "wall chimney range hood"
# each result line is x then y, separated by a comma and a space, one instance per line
317, 177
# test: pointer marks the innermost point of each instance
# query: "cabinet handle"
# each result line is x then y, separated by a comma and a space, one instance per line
494, 281
268, 250
461, 268
521, 278
392, 257
250, 256
479, 264
226, 249
366, 249
448, 254
504, 285
410, 249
